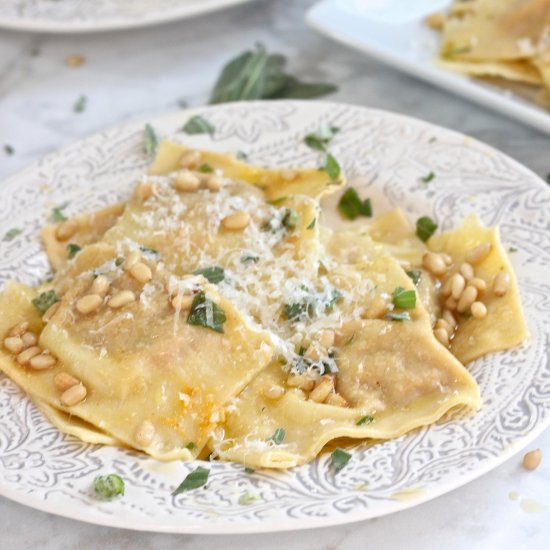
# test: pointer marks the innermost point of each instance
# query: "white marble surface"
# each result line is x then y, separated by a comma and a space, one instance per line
135, 74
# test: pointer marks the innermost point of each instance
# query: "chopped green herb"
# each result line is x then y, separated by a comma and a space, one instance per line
150, 251
206, 313
335, 296
57, 215
428, 177
250, 259
191, 446
80, 104
331, 167
109, 486
319, 140
425, 228
198, 125
151, 142
9, 150
415, 275
248, 498
278, 436
12, 233
241, 155
367, 419
277, 201
296, 310
206, 168
339, 458
312, 224
248, 470
512, 249
404, 316
119, 261
214, 274
72, 250
195, 479
351, 206
291, 218
45, 300
404, 299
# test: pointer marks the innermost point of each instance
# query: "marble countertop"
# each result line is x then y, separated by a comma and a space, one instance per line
134, 74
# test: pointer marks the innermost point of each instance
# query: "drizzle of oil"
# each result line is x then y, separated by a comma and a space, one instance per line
513, 495
408, 494
532, 506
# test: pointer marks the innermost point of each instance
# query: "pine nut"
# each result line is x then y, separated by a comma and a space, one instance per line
121, 299
13, 344
479, 310
186, 182
141, 272
42, 361
479, 283
88, 303
449, 317
467, 298
467, 271
29, 339
336, 400
50, 312
74, 395
532, 459
190, 159
434, 263
301, 381
322, 390
145, 433
214, 183
447, 259
477, 254
442, 336
458, 284
100, 285
501, 284
326, 338
63, 381
65, 230
377, 308
236, 221
441, 323
450, 303
447, 287
144, 191
25, 356
19, 329
182, 302
274, 392
132, 259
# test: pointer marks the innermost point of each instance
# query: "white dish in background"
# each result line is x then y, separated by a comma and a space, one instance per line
384, 155
393, 32
76, 16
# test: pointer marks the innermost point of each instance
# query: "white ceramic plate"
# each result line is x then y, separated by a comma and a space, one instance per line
393, 32
68, 16
384, 155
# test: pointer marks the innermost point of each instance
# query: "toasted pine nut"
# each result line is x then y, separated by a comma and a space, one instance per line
182, 302
42, 361
447, 287
377, 308
190, 159
74, 60
131, 259
25, 356
236, 221
214, 182
19, 329
29, 339
301, 381
477, 254
100, 285
145, 433
434, 263
457, 285
467, 271
479, 310
13, 344
336, 400
532, 459
274, 392
63, 381
326, 338
436, 20
441, 323
467, 298
88, 303
322, 389
121, 299
450, 303
447, 259
479, 283
186, 182
65, 230
144, 191
442, 335
141, 272
501, 284
74, 395
449, 317
50, 312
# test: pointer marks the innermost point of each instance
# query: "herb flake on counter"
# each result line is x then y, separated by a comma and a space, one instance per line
393, 316
150, 140
195, 479
80, 104
320, 139
108, 486
57, 215
339, 458
206, 313
428, 177
367, 419
415, 275
404, 299
332, 167
425, 228
248, 498
214, 274
248, 470
278, 436
9, 150
45, 300
12, 233
72, 250
512, 249
241, 155
198, 125
351, 206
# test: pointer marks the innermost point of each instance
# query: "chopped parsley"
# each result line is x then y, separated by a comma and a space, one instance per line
150, 140
214, 274
108, 486
415, 275
339, 459
320, 139
9, 150
278, 436
119, 261
72, 250
404, 299
291, 218
312, 224
57, 215
305, 308
191, 446
331, 167
198, 125
248, 470
206, 313
80, 104
12, 233
512, 249
241, 155
428, 177
425, 228
206, 168
248, 498
249, 258
367, 419
351, 206
152, 252
404, 316
195, 479
45, 300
